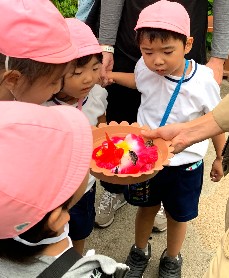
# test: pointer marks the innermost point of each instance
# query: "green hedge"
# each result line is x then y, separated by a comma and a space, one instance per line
209, 35
67, 8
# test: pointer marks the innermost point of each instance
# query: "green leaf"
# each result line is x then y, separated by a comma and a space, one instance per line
67, 8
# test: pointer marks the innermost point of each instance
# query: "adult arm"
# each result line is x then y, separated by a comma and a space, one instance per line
111, 12
220, 42
185, 134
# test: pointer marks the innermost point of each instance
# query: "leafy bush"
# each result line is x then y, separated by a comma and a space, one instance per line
67, 8
210, 7
209, 35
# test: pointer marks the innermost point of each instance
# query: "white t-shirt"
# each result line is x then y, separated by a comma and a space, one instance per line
94, 106
199, 94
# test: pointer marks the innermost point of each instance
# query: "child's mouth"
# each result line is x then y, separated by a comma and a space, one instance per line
160, 72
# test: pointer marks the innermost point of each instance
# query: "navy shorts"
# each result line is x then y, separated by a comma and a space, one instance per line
177, 187
82, 216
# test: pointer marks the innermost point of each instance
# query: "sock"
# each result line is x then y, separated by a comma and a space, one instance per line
144, 250
166, 255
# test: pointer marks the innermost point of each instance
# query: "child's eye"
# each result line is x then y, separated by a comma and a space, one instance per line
168, 52
77, 72
95, 69
148, 53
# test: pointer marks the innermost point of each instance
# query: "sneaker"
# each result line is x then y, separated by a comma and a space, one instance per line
137, 261
109, 203
160, 221
170, 267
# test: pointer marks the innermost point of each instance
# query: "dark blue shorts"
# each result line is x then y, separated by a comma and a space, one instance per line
177, 187
82, 216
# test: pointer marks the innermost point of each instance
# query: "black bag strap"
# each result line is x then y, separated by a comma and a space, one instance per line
61, 265
225, 154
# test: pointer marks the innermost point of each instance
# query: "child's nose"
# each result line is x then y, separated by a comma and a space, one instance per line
158, 61
88, 78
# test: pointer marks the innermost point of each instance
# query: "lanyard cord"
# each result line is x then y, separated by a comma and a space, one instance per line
174, 96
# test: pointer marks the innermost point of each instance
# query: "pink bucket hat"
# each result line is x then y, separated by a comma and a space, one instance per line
165, 15
83, 37
45, 155
35, 29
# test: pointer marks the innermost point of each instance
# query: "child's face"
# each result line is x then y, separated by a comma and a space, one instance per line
43, 88
84, 78
165, 57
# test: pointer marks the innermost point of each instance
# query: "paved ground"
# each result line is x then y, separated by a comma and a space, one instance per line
203, 234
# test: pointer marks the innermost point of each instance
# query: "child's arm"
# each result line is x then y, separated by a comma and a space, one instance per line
122, 78
217, 169
102, 119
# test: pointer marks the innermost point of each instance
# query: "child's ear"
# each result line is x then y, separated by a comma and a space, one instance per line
10, 79
57, 219
188, 45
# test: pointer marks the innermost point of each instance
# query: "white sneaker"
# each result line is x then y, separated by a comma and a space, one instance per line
160, 221
109, 203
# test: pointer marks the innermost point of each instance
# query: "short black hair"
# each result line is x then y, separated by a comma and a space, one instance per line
157, 33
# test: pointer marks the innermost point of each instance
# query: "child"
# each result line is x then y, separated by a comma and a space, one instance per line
163, 34
35, 53
80, 87
36, 197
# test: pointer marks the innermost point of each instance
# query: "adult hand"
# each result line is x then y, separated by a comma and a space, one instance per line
216, 64
108, 63
173, 133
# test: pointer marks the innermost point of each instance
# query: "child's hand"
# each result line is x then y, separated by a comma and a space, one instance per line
110, 76
217, 170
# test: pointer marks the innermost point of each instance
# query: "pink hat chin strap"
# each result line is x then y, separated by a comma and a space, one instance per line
80, 104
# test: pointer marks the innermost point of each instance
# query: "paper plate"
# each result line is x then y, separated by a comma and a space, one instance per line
122, 129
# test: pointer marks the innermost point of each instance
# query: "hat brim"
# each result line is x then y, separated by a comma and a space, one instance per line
161, 25
64, 56
89, 50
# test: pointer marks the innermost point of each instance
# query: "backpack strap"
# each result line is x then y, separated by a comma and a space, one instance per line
61, 265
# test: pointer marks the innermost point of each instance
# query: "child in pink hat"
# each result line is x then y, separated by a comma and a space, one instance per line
35, 50
81, 91
38, 186
172, 90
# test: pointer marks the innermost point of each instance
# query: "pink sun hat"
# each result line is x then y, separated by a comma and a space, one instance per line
45, 155
165, 15
83, 37
35, 29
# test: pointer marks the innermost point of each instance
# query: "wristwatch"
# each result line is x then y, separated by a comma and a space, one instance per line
107, 48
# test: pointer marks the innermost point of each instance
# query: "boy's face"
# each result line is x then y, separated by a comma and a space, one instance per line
165, 57
83, 79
